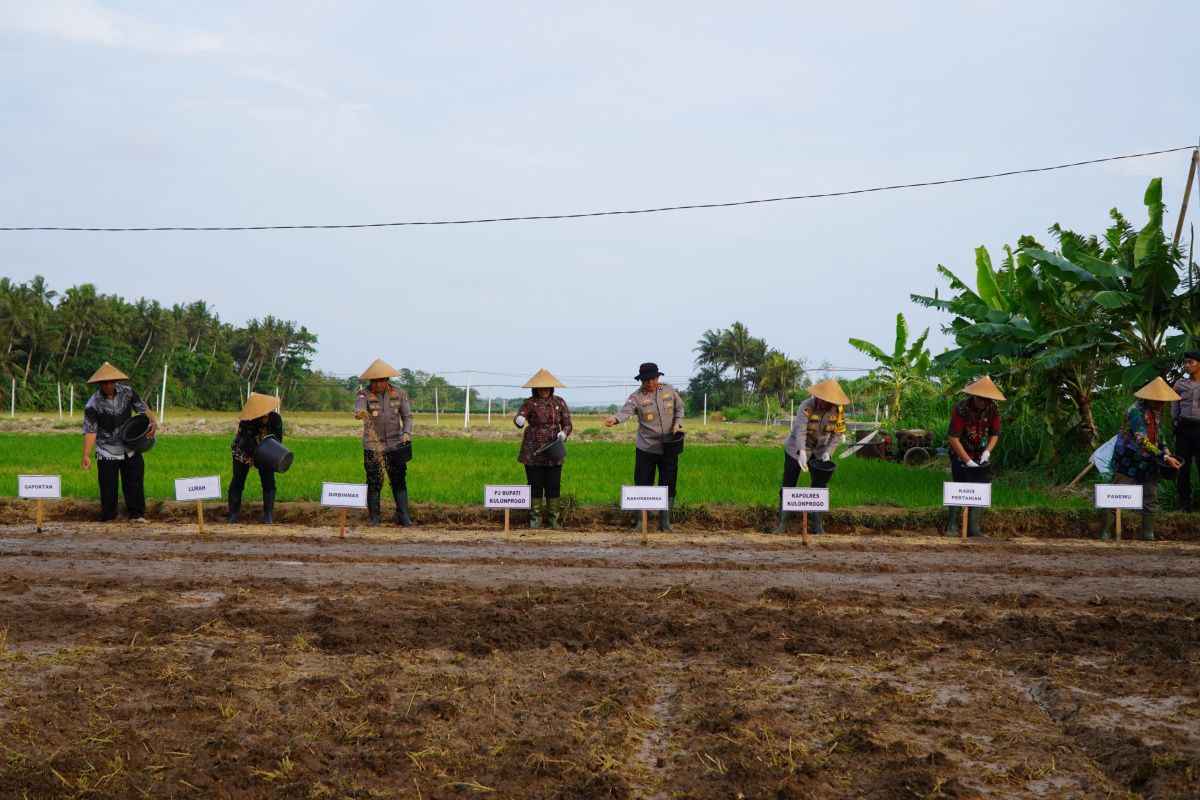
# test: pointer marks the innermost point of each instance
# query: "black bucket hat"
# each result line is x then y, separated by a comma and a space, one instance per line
1194, 355
647, 371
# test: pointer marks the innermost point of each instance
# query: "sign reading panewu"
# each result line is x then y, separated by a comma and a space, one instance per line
1118, 495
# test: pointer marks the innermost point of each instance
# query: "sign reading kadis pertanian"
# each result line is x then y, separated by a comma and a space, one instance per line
1116, 495
978, 495
644, 498
205, 488
344, 495
515, 496
804, 499
40, 487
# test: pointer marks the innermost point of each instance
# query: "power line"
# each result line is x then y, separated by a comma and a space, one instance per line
626, 212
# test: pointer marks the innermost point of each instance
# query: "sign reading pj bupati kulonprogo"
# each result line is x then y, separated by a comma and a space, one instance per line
967, 494
344, 495
804, 499
205, 488
39, 487
644, 498
1117, 495
515, 496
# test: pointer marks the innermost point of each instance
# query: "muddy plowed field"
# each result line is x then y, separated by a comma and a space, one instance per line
151, 661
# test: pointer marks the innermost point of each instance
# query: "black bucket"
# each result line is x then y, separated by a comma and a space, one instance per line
822, 471
555, 451
135, 434
672, 442
271, 455
979, 474
1165, 471
401, 451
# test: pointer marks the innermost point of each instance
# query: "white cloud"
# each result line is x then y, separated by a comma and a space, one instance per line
88, 22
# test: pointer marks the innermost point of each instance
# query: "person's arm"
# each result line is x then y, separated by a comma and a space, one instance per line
139, 405
90, 425
627, 411
677, 421
89, 443
277, 426
564, 422
406, 417
360, 406
522, 415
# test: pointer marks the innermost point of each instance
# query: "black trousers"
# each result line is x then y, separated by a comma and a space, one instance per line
544, 481
1187, 447
667, 465
131, 472
792, 471
240, 471
397, 471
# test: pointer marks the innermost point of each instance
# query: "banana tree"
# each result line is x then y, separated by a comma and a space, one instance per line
907, 366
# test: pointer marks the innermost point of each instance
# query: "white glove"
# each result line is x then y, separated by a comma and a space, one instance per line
971, 463
519, 421
986, 457
562, 436
803, 459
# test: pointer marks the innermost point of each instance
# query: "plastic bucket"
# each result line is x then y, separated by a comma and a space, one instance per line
979, 474
272, 455
135, 432
1165, 472
555, 451
672, 442
822, 471
401, 451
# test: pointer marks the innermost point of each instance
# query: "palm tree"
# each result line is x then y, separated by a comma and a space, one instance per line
905, 367
779, 375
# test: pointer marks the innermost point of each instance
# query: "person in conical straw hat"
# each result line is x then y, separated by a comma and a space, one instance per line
817, 429
546, 420
1185, 422
1141, 451
387, 434
106, 412
258, 420
973, 436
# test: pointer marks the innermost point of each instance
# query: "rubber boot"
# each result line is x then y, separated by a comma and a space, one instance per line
401, 498
537, 513
664, 517
816, 522
1106, 525
235, 506
782, 527
372, 507
638, 527
555, 517
952, 519
268, 507
1147, 527
973, 516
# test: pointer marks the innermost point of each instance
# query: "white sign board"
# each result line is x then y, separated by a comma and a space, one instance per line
644, 498
507, 496
804, 499
206, 488
967, 494
344, 495
41, 487
1116, 495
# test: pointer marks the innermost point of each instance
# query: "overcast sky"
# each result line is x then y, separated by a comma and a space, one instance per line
275, 113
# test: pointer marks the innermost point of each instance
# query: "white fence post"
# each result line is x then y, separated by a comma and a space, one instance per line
12, 399
162, 400
489, 406
58, 389
467, 403
72, 400
437, 413
706, 408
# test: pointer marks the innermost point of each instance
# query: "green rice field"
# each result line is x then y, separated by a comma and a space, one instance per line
454, 471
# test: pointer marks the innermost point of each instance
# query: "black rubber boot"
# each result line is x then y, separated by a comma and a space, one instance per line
638, 527
816, 523
537, 513
1147, 527
268, 507
1106, 525
973, 516
952, 521
782, 527
664, 517
401, 499
554, 520
235, 506
372, 507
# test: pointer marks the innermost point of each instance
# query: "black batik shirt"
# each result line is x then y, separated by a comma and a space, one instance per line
104, 417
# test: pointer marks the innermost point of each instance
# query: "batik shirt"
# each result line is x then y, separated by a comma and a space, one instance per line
250, 434
973, 427
544, 417
104, 417
1139, 442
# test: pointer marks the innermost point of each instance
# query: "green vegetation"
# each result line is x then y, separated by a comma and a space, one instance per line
454, 470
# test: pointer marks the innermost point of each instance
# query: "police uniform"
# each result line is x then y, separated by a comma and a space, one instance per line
816, 433
1185, 420
658, 413
387, 419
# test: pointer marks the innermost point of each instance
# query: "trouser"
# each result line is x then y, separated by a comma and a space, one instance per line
792, 472
544, 481
960, 474
667, 465
375, 462
1149, 484
240, 471
1187, 447
131, 471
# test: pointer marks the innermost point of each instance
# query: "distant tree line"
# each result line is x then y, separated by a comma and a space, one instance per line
737, 370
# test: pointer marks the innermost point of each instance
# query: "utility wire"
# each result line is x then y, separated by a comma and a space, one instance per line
582, 215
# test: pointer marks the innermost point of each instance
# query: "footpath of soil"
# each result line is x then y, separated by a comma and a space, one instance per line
149, 661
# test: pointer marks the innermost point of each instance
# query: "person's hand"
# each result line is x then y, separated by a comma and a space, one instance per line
519, 421
86, 463
971, 463
405, 438
1173, 462
676, 428
986, 457
360, 414
153, 429
562, 436
610, 421
802, 457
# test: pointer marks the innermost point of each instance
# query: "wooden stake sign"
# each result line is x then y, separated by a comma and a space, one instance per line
645, 499
197, 490
1118, 497
967, 495
507, 497
803, 501
343, 496
39, 488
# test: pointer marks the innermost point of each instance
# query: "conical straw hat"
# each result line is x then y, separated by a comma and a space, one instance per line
1157, 389
108, 372
830, 391
543, 380
259, 405
984, 388
379, 369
